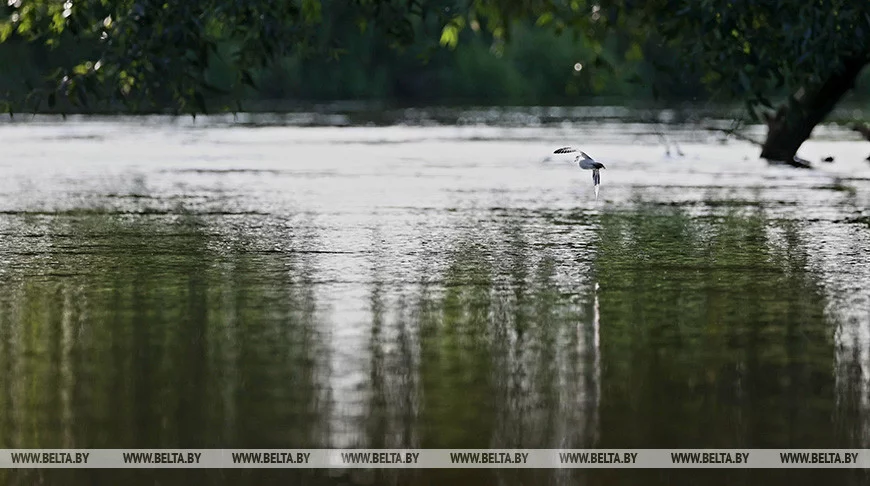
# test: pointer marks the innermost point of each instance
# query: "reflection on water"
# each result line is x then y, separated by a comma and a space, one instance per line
482, 318
112, 326
716, 334
137, 334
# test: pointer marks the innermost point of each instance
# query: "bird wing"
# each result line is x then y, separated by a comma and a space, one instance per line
569, 150
596, 177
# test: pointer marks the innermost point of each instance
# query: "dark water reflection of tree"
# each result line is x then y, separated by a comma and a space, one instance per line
710, 332
148, 333
715, 335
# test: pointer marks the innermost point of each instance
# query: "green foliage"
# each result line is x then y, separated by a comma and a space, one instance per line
757, 46
535, 67
747, 48
152, 54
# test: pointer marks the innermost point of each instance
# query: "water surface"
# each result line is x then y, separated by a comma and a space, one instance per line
228, 286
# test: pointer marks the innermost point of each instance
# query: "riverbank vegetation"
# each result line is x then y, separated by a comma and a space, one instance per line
789, 65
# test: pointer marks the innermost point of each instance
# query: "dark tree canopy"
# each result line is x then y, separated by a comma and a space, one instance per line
154, 53
749, 48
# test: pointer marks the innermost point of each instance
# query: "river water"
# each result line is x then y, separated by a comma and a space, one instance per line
227, 285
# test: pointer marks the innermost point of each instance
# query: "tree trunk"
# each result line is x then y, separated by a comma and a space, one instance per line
794, 122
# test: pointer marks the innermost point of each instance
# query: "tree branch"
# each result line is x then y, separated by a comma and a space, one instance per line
733, 132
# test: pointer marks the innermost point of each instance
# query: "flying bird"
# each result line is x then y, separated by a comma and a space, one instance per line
585, 162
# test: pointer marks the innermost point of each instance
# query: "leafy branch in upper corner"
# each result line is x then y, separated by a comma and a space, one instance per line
152, 55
